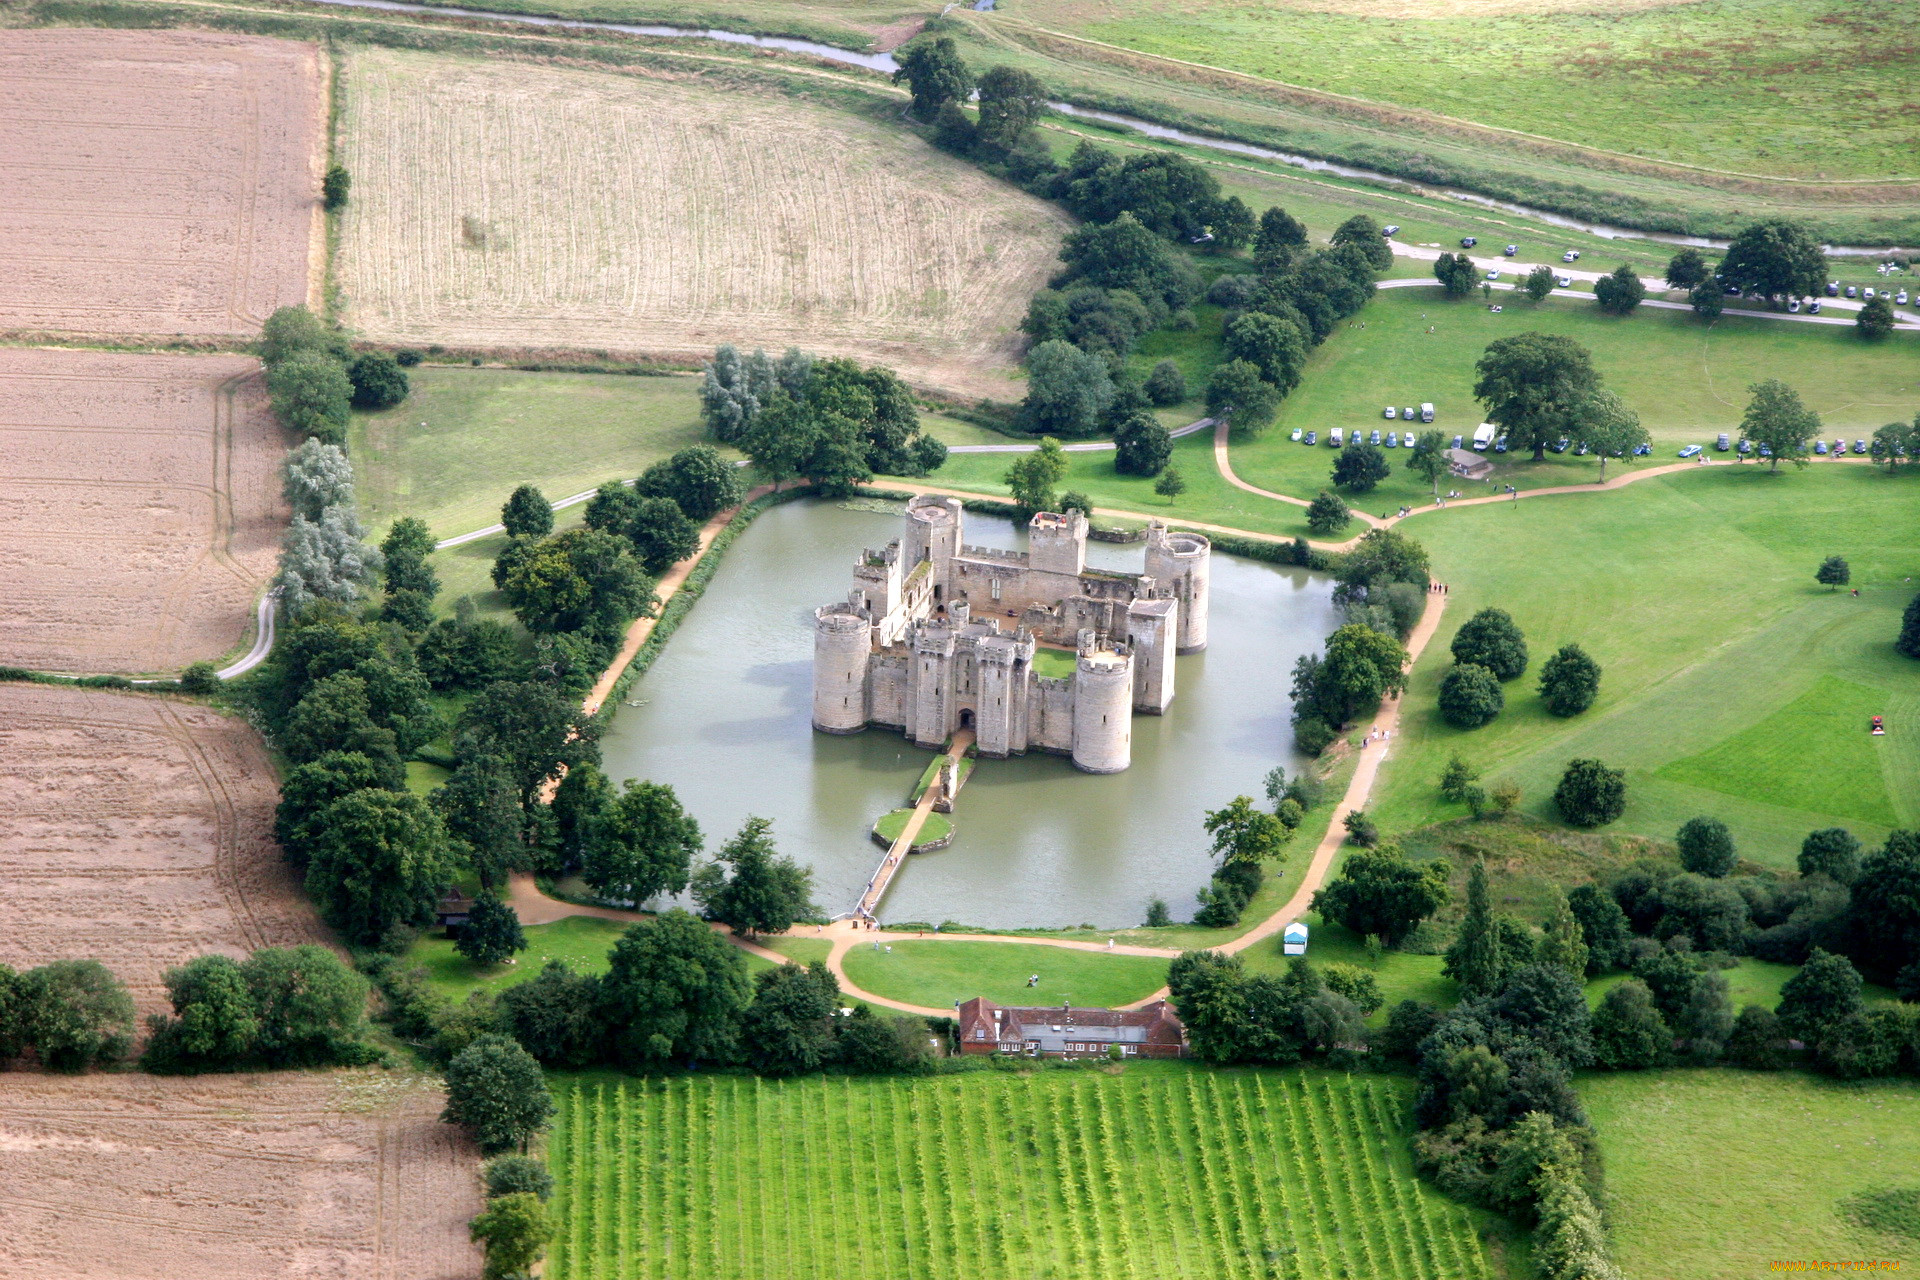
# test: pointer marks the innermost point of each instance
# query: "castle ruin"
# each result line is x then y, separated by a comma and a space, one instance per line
937, 636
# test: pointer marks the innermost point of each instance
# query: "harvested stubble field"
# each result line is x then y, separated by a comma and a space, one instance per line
136, 831
139, 508
1163, 1170
237, 1177
663, 217
158, 182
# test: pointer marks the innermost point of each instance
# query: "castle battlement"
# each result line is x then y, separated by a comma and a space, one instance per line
907, 650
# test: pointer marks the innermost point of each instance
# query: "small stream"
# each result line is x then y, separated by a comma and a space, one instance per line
884, 62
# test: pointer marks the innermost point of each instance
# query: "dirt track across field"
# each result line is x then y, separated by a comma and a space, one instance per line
136, 831
283, 1176
521, 206
159, 183
140, 508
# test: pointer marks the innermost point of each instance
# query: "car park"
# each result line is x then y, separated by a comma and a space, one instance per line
1511, 250
1833, 288
1571, 255
1391, 413
1690, 451
1297, 433
1391, 229
1467, 242
1820, 446
1813, 307
1724, 443
1313, 437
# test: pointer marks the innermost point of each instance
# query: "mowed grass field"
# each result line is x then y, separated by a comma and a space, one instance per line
1713, 1175
1734, 685
940, 974
1829, 92
664, 216
1159, 1170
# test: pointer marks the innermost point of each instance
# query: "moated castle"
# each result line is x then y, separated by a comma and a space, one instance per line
937, 636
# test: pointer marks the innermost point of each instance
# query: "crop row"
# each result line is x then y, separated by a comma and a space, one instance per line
1268, 1175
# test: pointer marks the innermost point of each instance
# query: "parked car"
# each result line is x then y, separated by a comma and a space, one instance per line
1901, 297
1813, 308
1391, 229
1426, 411
1820, 446
1560, 445
1493, 275
1391, 413
1375, 439
1580, 450
1407, 413
1867, 293
1859, 446
1746, 447
1564, 282
1833, 288
1456, 442
1794, 305
1690, 451
1852, 292
1297, 433
1496, 308
1333, 438
1642, 450
1483, 436
1500, 445
1511, 250
1313, 437
1571, 255
1393, 439
1467, 242
1724, 443
1766, 451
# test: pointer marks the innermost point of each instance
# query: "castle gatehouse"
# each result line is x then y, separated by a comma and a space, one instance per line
937, 636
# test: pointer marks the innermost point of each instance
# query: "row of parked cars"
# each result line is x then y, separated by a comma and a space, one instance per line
1867, 292
1746, 447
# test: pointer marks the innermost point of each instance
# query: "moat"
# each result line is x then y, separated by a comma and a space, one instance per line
724, 718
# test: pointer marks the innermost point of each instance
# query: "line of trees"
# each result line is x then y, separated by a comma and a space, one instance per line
314, 376
1382, 588
832, 421
1489, 650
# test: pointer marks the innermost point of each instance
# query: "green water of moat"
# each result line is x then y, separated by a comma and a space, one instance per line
723, 716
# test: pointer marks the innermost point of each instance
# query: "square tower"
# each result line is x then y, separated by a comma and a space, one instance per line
1057, 543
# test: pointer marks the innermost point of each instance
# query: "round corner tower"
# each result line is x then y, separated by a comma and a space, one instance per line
1103, 712
841, 645
1179, 563
933, 533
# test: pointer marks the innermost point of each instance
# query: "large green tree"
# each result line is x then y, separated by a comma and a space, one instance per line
1068, 391
312, 1007
535, 729
1533, 385
1456, 273
1619, 291
1011, 100
1327, 514
1279, 237
1034, 475
1270, 344
643, 844
514, 1231
1237, 392
1477, 960
1608, 427
311, 393
1628, 1032
1779, 422
1364, 234
77, 1015
1590, 794
1379, 893
1831, 852
380, 859
934, 73
1470, 696
750, 888
698, 478
580, 580
1876, 318
1688, 268
216, 1021
1706, 847
1429, 459
1885, 917
1569, 681
1491, 638
1243, 833
480, 806
788, 1029
1141, 446
497, 1092
1822, 995
673, 993
1360, 467
1775, 259
527, 513
309, 788
492, 933
378, 380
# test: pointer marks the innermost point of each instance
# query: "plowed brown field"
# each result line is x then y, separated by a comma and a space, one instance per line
140, 508
343, 1176
504, 205
138, 832
158, 182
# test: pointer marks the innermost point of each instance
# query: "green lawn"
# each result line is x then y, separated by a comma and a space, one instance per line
1681, 83
1157, 1169
582, 941
936, 827
1686, 380
1712, 1175
1734, 685
939, 973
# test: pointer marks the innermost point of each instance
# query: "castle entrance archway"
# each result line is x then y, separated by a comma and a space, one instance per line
966, 719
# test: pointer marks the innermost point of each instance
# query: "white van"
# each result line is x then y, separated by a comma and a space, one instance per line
1426, 412
1333, 437
1483, 436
